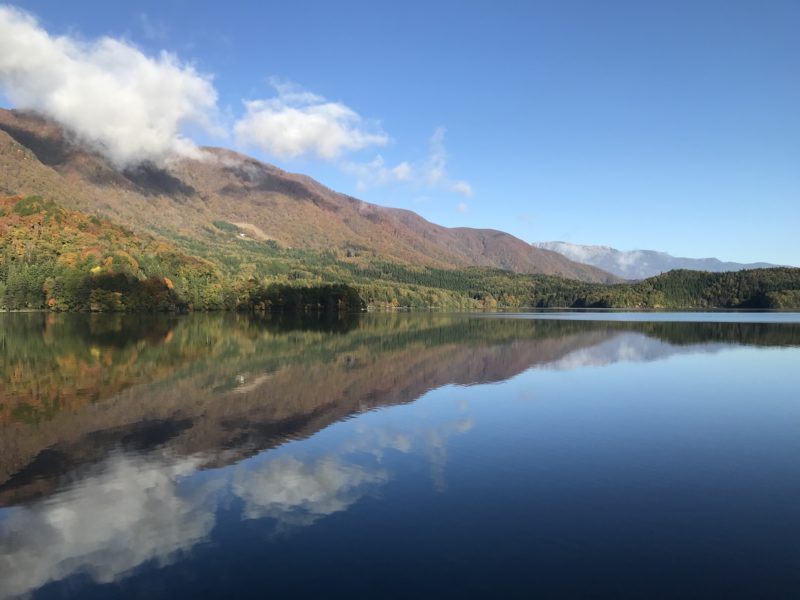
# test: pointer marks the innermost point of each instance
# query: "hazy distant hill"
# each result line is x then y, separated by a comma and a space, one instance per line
263, 202
640, 264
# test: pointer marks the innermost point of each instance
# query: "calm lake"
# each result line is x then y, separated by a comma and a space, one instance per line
400, 456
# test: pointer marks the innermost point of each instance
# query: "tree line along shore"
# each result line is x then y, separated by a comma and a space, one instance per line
56, 259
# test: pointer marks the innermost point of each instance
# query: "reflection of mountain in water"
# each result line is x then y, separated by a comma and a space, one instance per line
628, 347
74, 388
106, 419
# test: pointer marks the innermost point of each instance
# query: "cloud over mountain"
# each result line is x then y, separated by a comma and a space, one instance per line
134, 108
128, 106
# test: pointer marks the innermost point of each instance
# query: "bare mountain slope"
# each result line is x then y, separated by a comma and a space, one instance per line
38, 157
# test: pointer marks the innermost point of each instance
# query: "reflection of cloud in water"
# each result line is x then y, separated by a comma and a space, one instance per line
128, 513
430, 441
627, 347
437, 444
298, 493
135, 509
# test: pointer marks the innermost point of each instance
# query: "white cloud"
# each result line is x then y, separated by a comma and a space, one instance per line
463, 188
401, 172
127, 105
436, 167
153, 29
298, 123
462, 207
376, 173
430, 172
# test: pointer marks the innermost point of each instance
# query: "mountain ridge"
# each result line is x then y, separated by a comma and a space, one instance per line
641, 264
187, 196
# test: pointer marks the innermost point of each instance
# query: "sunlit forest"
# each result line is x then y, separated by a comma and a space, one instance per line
61, 260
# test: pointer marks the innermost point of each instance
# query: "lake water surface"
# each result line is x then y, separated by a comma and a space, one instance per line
400, 456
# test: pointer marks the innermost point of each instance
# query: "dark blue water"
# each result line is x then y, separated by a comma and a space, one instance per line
400, 456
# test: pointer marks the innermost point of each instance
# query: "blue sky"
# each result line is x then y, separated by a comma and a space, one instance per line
672, 126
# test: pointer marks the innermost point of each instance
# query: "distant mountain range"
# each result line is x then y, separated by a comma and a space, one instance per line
641, 264
187, 197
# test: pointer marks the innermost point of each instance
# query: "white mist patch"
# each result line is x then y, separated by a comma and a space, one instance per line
430, 172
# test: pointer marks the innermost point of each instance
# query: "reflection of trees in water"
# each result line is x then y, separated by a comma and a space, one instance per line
55, 362
238, 383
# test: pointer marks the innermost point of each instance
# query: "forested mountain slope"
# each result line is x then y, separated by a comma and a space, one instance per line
185, 198
64, 260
